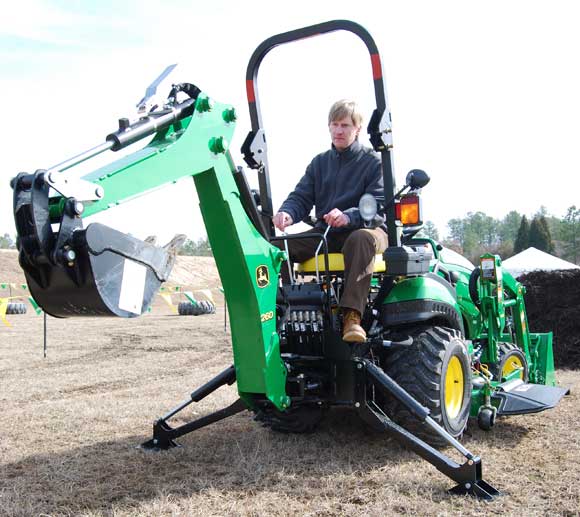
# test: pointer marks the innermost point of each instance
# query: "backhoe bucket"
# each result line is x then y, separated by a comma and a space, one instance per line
113, 274
97, 271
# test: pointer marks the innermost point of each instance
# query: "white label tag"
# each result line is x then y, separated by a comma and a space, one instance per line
488, 268
132, 287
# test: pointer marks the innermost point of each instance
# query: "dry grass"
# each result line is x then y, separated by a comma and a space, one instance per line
71, 422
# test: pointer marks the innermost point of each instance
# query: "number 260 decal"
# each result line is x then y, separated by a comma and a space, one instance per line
267, 316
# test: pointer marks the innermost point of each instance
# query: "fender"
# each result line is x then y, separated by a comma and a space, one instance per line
422, 299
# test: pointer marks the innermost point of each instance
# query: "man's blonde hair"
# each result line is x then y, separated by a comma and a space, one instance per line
345, 108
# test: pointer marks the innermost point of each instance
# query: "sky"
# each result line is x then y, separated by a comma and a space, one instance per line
484, 96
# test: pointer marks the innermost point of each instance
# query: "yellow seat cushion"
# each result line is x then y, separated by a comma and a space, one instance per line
335, 264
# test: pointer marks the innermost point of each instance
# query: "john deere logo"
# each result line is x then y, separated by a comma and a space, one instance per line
262, 276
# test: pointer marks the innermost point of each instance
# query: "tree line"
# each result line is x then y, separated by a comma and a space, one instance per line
198, 247
475, 234
478, 233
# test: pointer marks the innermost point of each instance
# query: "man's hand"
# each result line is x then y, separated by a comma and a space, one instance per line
336, 218
281, 220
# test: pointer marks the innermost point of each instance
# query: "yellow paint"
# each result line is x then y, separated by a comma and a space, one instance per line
454, 387
512, 363
167, 298
3, 307
335, 263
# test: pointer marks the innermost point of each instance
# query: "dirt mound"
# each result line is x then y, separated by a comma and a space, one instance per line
553, 303
10, 271
195, 273
189, 272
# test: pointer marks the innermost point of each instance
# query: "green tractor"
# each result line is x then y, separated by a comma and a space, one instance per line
446, 341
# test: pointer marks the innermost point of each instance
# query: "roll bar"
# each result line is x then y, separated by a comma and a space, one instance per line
379, 128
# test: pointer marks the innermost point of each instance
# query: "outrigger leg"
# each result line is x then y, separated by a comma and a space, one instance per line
164, 435
468, 475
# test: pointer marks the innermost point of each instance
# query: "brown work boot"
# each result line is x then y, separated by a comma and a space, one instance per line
352, 332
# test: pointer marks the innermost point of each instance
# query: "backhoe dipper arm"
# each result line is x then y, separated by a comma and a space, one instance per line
89, 278
379, 128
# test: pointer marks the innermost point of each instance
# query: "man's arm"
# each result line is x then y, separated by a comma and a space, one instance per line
299, 203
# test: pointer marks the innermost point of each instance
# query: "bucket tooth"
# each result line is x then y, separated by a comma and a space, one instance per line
172, 248
175, 244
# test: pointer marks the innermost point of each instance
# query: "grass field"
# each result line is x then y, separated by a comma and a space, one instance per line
71, 423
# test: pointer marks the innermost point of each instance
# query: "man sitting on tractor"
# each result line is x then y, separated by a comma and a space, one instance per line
333, 183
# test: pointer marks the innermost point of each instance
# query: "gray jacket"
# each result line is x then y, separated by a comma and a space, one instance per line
337, 180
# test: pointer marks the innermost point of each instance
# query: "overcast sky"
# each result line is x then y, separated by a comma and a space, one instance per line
484, 95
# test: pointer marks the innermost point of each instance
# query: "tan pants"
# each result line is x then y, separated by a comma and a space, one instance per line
359, 248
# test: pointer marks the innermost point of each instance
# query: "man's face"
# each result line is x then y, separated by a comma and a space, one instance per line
343, 132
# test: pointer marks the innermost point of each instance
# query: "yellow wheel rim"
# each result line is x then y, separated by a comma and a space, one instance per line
513, 362
453, 387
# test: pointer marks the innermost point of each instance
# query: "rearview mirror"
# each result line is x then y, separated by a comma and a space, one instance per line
417, 178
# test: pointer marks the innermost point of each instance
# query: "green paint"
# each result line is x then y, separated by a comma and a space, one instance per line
543, 359
499, 318
197, 147
420, 288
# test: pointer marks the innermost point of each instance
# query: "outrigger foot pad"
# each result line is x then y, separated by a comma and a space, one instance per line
164, 434
479, 489
160, 440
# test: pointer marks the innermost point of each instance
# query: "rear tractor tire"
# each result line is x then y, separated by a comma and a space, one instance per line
299, 420
435, 370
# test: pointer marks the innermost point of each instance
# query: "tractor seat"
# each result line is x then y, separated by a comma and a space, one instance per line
335, 264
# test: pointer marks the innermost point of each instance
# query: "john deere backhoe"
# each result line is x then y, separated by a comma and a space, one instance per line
445, 340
